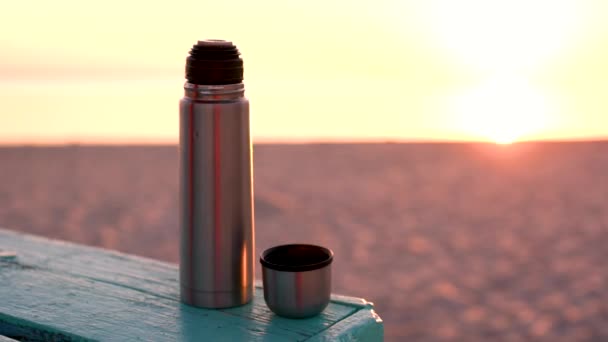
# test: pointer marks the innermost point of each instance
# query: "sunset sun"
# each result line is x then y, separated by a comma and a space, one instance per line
502, 110
503, 44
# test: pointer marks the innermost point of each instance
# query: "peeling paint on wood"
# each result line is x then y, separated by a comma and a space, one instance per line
59, 291
6, 339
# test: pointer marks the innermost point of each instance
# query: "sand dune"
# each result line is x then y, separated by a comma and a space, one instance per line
466, 242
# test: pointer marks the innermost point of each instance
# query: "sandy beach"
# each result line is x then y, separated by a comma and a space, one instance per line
463, 242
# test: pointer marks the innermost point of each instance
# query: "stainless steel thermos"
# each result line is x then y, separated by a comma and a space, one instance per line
216, 195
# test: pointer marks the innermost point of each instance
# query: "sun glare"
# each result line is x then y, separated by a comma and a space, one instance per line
503, 110
495, 35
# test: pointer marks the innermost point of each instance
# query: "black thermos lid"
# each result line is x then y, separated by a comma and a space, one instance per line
214, 62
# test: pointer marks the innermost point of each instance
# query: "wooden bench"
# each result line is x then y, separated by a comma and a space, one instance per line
60, 291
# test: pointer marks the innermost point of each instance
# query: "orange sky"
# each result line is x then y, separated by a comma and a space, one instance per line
315, 70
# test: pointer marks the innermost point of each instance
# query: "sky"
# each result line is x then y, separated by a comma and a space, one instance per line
382, 70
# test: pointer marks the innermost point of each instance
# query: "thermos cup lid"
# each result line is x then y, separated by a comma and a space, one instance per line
297, 279
296, 258
214, 62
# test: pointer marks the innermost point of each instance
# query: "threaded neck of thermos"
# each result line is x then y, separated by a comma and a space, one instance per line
214, 62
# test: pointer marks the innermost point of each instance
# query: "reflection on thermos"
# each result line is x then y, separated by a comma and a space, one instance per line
216, 208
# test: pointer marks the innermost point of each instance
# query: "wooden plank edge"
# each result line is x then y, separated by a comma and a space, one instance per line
13, 327
364, 325
355, 302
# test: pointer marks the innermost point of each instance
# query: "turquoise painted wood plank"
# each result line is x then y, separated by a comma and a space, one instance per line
51, 289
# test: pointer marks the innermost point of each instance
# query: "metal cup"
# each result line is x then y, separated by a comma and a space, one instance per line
297, 279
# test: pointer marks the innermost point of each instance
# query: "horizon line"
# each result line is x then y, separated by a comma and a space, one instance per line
143, 142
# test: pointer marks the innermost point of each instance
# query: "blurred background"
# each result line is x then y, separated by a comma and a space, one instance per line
450, 153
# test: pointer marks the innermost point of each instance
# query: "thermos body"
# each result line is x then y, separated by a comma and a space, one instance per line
216, 197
